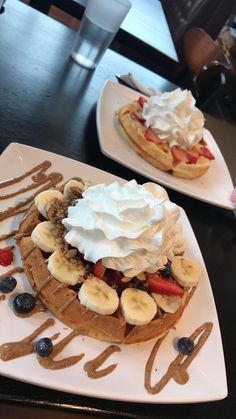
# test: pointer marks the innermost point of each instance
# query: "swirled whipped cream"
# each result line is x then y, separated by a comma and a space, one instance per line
132, 228
174, 118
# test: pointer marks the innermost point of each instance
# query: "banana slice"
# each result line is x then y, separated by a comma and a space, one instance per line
72, 183
186, 271
62, 269
42, 235
137, 306
168, 303
98, 296
44, 200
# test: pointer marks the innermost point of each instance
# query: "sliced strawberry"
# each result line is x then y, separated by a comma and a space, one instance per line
138, 116
150, 135
99, 270
179, 155
6, 256
142, 100
156, 283
204, 151
192, 155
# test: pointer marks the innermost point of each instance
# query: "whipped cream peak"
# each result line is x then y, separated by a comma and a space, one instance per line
175, 118
130, 227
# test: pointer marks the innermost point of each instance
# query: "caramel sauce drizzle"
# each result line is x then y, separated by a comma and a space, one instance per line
42, 167
17, 269
45, 282
52, 179
91, 367
177, 369
39, 308
67, 303
13, 350
8, 235
59, 287
38, 181
24, 257
49, 363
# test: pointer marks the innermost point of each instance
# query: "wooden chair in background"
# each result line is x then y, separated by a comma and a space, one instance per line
212, 72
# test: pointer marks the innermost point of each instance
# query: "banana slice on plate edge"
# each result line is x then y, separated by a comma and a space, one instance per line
186, 271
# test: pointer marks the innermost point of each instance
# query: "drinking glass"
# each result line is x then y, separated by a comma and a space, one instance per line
100, 23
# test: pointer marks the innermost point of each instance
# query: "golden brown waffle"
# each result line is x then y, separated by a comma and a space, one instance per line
61, 300
159, 156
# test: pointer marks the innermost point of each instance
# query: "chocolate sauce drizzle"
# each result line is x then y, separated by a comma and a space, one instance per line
91, 367
13, 350
49, 362
17, 269
39, 179
177, 369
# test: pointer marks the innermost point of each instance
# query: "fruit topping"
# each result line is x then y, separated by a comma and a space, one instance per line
142, 100
24, 303
137, 306
166, 272
6, 256
138, 116
205, 152
192, 156
156, 283
185, 345
44, 347
150, 135
168, 303
99, 270
98, 296
7, 284
117, 276
45, 199
186, 271
43, 236
179, 155
136, 283
64, 270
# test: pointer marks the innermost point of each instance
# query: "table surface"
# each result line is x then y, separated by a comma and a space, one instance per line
48, 102
144, 34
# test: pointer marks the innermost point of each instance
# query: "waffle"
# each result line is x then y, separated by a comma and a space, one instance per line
61, 299
159, 155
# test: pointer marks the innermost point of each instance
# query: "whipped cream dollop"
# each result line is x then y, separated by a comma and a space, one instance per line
174, 118
132, 228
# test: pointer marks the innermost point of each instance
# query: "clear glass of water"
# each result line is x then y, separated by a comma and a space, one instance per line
100, 23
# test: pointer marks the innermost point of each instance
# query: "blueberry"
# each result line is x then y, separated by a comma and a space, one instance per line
138, 284
44, 347
8, 284
185, 345
166, 272
24, 303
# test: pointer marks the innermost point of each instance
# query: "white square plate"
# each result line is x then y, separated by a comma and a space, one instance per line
207, 371
215, 187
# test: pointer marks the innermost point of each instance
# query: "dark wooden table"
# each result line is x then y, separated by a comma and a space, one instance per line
48, 102
144, 34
